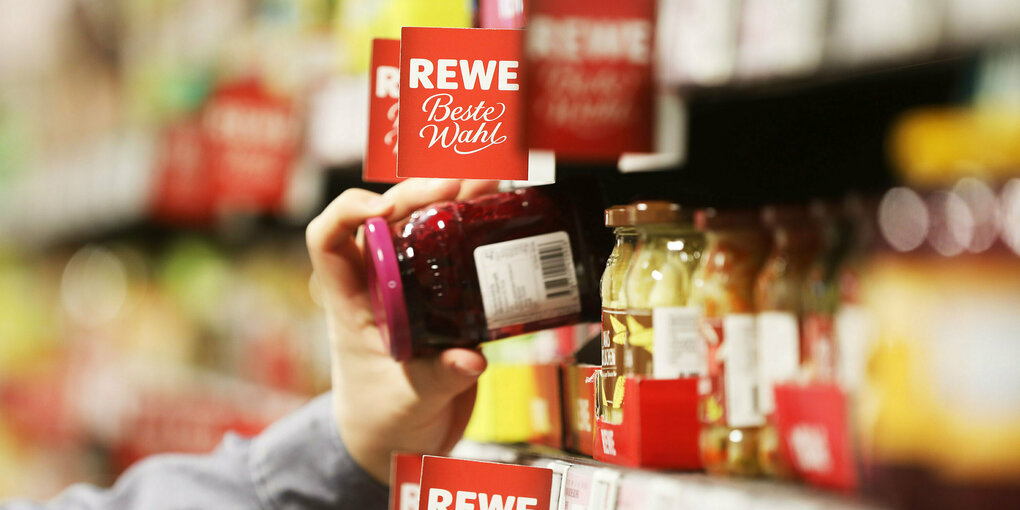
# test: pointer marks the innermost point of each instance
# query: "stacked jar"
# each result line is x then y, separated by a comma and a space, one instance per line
662, 337
724, 290
778, 302
614, 311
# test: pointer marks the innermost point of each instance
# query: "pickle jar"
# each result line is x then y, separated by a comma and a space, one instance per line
778, 302
662, 337
456, 274
735, 249
614, 310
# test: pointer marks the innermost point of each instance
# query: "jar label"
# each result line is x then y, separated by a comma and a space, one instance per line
853, 332
818, 348
614, 335
740, 366
778, 354
679, 349
639, 353
527, 280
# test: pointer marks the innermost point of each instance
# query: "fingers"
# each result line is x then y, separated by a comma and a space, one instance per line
461, 409
473, 188
342, 217
446, 375
417, 193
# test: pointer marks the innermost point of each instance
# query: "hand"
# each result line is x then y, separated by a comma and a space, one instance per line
421, 405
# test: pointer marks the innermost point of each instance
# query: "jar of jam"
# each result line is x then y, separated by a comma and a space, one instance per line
662, 334
724, 289
777, 299
614, 309
456, 274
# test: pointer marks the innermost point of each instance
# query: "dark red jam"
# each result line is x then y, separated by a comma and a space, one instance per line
499, 266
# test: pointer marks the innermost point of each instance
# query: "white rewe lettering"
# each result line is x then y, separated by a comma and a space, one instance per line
439, 499
509, 8
472, 73
444, 74
478, 72
408, 496
505, 75
496, 503
810, 445
421, 69
608, 443
462, 500
387, 82
526, 503
574, 38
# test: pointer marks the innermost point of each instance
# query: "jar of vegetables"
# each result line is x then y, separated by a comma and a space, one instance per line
614, 310
662, 338
724, 289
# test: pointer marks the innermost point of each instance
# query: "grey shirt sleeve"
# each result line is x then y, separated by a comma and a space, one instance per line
297, 463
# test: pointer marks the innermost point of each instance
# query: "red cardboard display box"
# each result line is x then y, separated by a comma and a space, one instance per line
578, 408
659, 428
546, 406
815, 436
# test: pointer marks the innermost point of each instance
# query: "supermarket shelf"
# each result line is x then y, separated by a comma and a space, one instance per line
588, 482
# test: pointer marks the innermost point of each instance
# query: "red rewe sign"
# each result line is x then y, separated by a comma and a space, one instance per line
251, 141
383, 101
461, 104
405, 475
454, 484
589, 76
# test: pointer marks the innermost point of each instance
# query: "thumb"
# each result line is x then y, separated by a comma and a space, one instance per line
448, 374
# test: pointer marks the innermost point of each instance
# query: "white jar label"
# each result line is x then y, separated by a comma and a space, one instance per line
740, 357
679, 349
527, 280
778, 354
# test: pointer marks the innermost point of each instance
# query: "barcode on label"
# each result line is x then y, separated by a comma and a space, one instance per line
527, 280
552, 259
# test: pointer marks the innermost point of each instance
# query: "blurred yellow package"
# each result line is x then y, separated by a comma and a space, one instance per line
504, 405
357, 22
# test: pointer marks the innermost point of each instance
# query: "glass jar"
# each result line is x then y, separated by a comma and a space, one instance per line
777, 298
724, 289
821, 294
614, 310
662, 336
456, 274
939, 415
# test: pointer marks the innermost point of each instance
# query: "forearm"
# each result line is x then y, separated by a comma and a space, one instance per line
299, 462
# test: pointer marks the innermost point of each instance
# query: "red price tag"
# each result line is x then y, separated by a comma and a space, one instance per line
461, 105
251, 141
812, 422
589, 77
383, 99
405, 476
453, 484
501, 13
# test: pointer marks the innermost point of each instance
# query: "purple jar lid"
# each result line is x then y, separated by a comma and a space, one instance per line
386, 289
